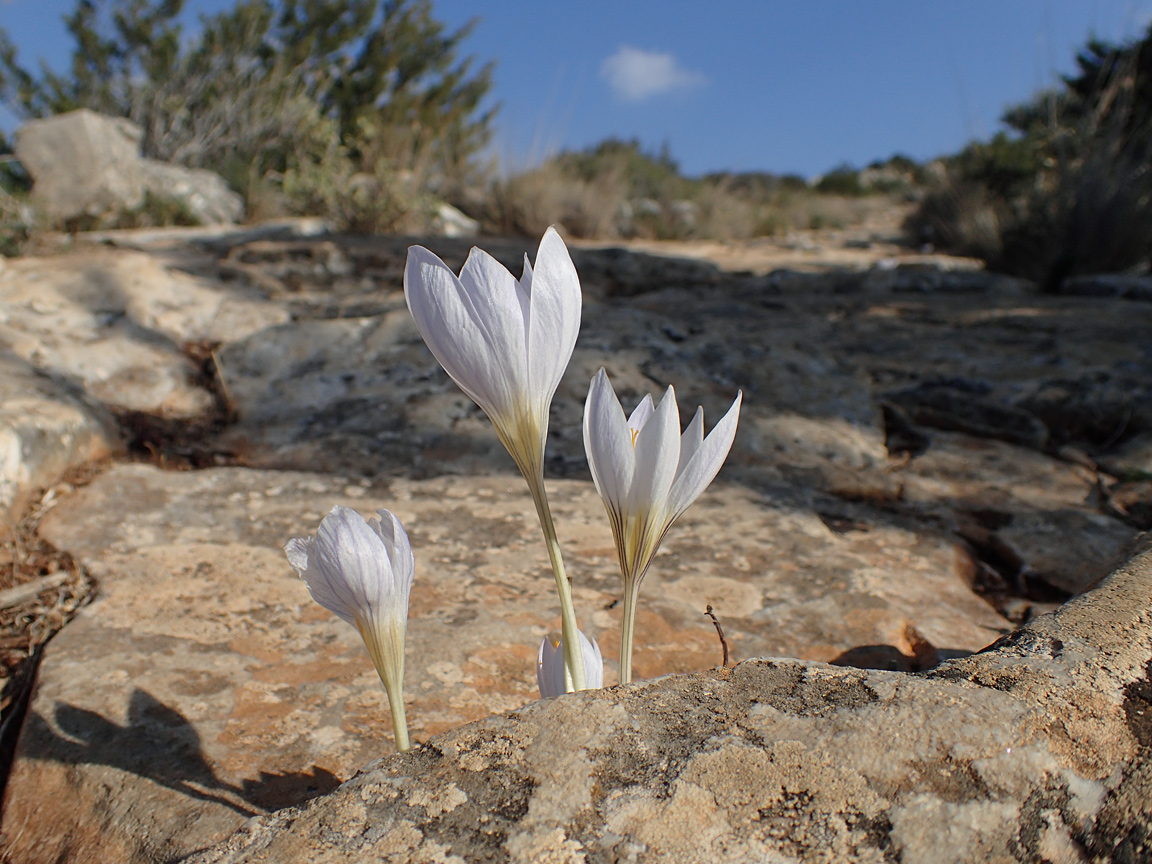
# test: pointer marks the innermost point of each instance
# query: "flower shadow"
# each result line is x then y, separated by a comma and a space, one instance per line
159, 744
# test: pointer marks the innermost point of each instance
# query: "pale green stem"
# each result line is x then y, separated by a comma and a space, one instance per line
627, 630
573, 655
391, 675
399, 721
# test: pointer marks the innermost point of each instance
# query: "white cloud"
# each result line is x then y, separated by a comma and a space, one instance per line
634, 74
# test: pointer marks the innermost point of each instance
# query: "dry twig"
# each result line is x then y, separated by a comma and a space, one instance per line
719, 632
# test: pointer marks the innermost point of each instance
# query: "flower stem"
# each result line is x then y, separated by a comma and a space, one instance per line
399, 721
573, 655
627, 629
391, 672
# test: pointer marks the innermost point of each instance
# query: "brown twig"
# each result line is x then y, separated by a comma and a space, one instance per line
719, 632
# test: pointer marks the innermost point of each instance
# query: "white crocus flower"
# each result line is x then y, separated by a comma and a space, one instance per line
362, 571
648, 474
550, 667
506, 343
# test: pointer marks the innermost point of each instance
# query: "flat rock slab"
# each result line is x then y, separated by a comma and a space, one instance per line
203, 685
1037, 750
115, 323
44, 430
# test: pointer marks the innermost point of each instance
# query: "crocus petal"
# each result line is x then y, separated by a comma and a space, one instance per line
497, 298
608, 442
344, 565
554, 321
593, 662
657, 454
399, 551
691, 440
486, 357
700, 470
550, 666
550, 669
640, 415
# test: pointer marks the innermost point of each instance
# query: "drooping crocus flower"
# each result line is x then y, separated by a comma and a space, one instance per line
648, 474
506, 343
362, 571
550, 667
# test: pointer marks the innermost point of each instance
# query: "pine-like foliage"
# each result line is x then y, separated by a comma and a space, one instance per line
355, 109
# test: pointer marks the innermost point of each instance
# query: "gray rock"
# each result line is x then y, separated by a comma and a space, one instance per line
85, 164
448, 221
82, 164
115, 325
1037, 750
45, 429
203, 194
223, 692
1122, 285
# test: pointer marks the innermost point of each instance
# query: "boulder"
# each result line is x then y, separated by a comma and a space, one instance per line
204, 195
82, 164
1039, 749
115, 326
449, 221
85, 164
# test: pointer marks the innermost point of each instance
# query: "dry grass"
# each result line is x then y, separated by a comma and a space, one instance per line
603, 207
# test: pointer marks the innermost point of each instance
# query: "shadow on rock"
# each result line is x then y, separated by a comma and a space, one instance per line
916, 654
161, 745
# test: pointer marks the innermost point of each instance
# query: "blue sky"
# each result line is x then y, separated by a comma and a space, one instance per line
744, 84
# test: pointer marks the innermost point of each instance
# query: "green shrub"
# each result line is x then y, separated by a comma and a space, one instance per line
289, 101
1067, 190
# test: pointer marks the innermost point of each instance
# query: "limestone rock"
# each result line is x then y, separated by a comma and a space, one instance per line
449, 221
205, 682
1038, 749
1122, 285
82, 163
224, 692
116, 324
44, 430
85, 164
204, 195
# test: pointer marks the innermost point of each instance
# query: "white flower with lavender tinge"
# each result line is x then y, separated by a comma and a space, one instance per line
362, 571
648, 474
550, 666
506, 343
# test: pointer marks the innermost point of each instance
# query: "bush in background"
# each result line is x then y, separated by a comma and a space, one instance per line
1067, 190
353, 109
617, 190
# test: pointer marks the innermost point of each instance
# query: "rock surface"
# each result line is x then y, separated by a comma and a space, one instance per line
917, 471
85, 164
45, 429
222, 690
1036, 750
98, 335
204, 195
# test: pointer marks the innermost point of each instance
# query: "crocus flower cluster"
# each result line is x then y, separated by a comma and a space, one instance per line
506, 342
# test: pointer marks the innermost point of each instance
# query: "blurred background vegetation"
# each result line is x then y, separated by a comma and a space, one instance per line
363, 112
